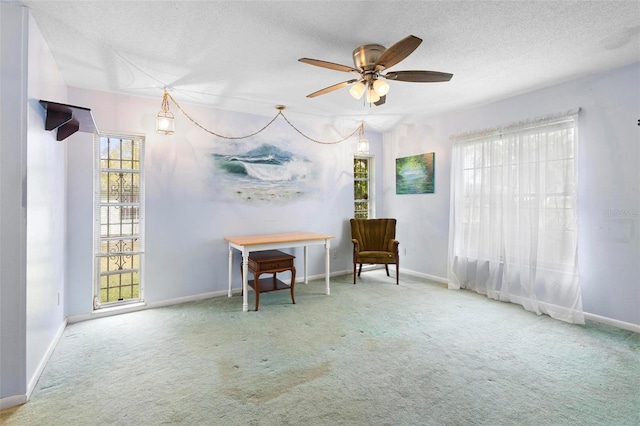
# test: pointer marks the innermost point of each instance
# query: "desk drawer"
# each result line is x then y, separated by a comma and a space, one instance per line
270, 260
268, 265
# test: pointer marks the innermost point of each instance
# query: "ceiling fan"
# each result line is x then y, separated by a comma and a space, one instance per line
370, 61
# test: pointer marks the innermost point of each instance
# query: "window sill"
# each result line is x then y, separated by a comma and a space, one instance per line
113, 310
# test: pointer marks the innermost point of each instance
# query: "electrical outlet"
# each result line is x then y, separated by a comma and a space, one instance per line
334, 254
404, 251
58, 298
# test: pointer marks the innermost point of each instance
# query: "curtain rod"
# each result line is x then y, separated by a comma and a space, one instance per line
516, 126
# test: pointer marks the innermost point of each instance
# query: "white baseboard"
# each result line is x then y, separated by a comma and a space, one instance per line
321, 276
612, 322
12, 401
587, 316
43, 362
220, 293
135, 307
425, 276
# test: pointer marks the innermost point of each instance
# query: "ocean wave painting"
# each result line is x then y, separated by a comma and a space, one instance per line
264, 173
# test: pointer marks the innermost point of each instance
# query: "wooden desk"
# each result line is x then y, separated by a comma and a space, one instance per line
248, 243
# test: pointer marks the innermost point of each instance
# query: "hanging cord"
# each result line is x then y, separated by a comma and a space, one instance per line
165, 103
214, 133
315, 140
279, 114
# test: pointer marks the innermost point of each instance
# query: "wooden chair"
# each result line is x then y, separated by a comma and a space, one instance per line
374, 243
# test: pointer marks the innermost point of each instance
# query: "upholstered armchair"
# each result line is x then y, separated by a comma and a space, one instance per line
374, 242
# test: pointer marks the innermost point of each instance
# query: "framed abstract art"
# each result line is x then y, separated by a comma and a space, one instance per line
415, 174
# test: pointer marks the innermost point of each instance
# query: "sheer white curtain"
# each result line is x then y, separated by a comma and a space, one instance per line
513, 224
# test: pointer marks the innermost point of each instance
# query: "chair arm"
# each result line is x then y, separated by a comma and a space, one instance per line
355, 249
393, 246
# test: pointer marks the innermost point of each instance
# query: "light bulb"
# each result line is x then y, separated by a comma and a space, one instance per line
372, 96
381, 87
363, 145
357, 90
165, 123
164, 119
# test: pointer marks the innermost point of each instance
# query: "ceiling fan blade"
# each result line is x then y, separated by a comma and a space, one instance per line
382, 100
418, 76
330, 65
331, 88
397, 52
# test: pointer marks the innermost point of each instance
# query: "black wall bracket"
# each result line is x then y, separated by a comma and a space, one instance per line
67, 119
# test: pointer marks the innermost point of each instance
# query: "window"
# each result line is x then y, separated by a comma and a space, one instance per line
363, 187
119, 206
514, 220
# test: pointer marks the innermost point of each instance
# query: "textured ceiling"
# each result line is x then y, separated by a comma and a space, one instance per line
243, 55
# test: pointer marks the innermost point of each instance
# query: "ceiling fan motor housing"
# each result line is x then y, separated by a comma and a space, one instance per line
365, 57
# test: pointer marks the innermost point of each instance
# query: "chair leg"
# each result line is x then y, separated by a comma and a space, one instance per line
397, 273
360, 269
386, 267
354, 272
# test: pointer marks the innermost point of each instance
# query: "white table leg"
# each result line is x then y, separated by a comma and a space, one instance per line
306, 280
327, 255
245, 272
230, 268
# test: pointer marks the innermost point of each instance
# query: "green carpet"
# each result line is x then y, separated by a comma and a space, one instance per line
370, 354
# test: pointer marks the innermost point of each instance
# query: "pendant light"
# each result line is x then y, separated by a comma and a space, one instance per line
164, 120
363, 143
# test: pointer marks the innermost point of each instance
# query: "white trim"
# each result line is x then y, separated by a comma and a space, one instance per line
12, 401
321, 276
371, 179
140, 139
426, 276
587, 316
143, 306
135, 307
612, 322
43, 362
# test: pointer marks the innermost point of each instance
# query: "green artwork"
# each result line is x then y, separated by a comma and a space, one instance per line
415, 174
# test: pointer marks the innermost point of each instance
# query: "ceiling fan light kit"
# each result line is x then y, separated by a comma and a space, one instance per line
370, 61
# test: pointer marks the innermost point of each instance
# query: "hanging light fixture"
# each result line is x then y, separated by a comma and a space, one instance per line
164, 120
363, 143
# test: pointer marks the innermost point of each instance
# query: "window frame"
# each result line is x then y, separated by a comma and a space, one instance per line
129, 246
370, 179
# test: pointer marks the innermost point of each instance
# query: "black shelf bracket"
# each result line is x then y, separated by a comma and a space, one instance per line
67, 119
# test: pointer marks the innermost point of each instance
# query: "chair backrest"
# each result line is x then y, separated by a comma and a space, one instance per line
373, 234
